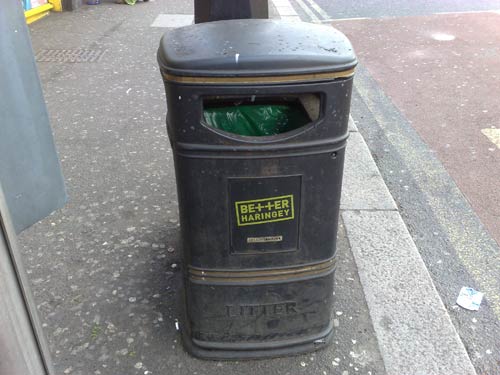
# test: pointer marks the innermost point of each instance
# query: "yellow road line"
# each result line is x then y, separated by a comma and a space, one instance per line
477, 256
493, 135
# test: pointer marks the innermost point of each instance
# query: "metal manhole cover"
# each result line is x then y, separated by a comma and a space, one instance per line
69, 55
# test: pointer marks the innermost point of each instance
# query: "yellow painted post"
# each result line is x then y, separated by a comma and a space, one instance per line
36, 13
57, 4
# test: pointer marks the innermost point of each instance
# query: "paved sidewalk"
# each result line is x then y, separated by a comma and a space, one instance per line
105, 269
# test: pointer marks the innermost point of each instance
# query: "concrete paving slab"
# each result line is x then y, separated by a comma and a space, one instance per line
281, 3
173, 20
363, 186
291, 18
414, 331
284, 10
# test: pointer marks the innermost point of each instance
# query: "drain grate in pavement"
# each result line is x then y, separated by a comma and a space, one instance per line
69, 55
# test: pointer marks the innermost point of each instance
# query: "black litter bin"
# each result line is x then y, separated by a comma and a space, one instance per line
257, 118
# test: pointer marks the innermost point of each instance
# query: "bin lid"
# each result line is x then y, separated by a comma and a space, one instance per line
255, 48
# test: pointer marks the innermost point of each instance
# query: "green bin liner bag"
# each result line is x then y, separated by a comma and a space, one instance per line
257, 120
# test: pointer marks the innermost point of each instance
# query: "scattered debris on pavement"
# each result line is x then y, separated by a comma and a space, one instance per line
469, 298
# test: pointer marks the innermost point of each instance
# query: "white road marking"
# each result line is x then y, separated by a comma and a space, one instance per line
325, 18
286, 10
493, 135
318, 9
173, 20
308, 11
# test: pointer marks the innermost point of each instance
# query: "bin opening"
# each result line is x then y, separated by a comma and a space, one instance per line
261, 116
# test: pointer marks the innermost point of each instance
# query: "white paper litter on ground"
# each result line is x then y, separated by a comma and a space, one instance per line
469, 298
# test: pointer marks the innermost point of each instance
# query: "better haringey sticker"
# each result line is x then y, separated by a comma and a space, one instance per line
265, 210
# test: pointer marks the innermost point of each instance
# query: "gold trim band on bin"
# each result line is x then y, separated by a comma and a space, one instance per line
260, 79
278, 274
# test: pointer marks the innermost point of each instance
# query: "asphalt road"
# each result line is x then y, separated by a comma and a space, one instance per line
425, 101
398, 8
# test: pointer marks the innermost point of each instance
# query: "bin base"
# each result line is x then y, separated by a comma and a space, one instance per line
240, 351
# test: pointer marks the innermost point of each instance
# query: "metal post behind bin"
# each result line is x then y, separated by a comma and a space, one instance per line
30, 173
216, 10
23, 350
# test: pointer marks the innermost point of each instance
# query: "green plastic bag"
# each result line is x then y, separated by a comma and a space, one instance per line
256, 119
